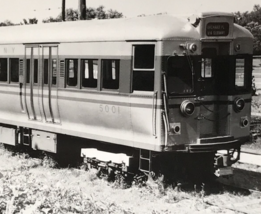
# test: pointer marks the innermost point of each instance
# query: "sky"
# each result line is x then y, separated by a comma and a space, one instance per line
16, 10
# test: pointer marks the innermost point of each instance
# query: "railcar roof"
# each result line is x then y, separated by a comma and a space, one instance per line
240, 31
158, 27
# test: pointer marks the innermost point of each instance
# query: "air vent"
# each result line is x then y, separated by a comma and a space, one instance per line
62, 68
21, 67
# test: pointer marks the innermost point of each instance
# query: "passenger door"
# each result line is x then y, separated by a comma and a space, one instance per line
40, 82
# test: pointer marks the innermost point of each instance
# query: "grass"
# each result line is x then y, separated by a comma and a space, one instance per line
256, 104
35, 185
255, 142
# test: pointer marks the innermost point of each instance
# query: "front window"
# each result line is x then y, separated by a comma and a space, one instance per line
180, 75
206, 68
225, 74
240, 73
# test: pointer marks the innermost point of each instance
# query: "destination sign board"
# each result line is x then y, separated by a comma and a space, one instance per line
217, 29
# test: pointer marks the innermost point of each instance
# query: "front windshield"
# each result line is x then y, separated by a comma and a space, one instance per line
179, 75
225, 74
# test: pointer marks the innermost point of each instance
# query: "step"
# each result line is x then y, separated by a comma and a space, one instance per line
216, 139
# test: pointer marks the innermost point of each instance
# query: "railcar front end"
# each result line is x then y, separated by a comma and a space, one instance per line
207, 90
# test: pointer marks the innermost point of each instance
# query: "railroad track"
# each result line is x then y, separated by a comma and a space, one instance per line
247, 172
241, 208
246, 180
246, 176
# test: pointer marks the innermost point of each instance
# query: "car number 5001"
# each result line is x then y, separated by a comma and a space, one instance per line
109, 109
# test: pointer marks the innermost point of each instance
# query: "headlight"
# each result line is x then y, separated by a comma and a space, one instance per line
187, 108
239, 104
244, 121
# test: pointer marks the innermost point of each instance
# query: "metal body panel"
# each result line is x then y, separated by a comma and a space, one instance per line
44, 141
123, 117
8, 136
96, 116
140, 28
235, 122
118, 158
189, 132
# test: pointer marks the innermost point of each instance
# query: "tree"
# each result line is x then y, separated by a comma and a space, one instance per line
91, 13
112, 14
70, 15
6, 23
51, 19
100, 13
255, 29
29, 22
252, 22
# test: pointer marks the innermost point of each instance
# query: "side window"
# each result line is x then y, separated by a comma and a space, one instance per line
144, 56
28, 65
3, 70
240, 73
71, 72
89, 71
45, 71
14, 69
110, 74
206, 68
143, 68
54, 71
35, 70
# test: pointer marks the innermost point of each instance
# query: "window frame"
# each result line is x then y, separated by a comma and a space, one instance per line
76, 63
193, 77
7, 71
43, 71
133, 61
244, 73
27, 70
57, 67
117, 66
37, 73
82, 73
246, 88
10, 75
211, 67
142, 69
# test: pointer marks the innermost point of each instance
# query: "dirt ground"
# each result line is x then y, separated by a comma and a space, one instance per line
29, 185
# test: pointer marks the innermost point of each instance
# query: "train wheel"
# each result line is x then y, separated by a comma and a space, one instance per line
121, 181
111, 175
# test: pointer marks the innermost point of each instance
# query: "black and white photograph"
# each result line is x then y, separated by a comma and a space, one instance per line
130, 107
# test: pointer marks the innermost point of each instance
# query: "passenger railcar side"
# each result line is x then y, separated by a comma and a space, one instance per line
155, 88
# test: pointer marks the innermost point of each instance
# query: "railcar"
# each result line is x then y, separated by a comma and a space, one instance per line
141, 93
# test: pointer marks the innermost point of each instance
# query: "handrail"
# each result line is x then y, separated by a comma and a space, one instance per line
164, 95
165, 125
154, 105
